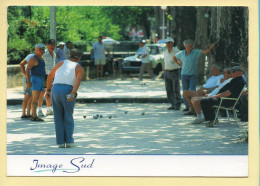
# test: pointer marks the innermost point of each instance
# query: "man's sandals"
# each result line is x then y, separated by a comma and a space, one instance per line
36, 119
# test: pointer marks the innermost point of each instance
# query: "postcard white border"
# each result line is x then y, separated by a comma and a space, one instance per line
128, 165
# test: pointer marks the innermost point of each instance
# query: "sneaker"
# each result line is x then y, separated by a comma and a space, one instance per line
170, 108
49, 112
40, 113
198, 121
61, 145
70, 145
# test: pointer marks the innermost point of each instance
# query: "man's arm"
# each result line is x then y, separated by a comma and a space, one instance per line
58, 54
22, 64
32, 62
208, 50
177, 61
107, 49
79, 75
223, 94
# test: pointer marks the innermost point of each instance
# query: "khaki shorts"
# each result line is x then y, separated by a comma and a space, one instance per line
100, 61
26, 90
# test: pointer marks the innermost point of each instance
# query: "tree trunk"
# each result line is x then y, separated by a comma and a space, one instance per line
183, 25
213, 38
201, 39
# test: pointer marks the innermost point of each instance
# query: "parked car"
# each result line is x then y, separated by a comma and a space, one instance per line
108, 40
133, 64
162, 41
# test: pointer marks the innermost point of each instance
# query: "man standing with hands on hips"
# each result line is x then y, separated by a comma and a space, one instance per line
63, 92
35, 75
172, 75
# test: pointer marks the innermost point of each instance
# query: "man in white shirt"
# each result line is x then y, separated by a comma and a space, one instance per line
98, 51
143, 54
50, 61
196, 100
210, 85
172, 76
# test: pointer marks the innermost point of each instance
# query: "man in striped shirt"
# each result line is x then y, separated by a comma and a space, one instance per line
50, 61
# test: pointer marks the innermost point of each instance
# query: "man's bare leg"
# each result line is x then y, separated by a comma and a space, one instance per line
188, 94
35, 99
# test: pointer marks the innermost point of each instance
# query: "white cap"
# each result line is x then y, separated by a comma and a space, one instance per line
61, 43
169, 39
39, 45
142, 41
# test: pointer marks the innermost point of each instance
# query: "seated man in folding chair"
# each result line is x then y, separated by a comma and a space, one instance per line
195, 101
211, 84
230, 90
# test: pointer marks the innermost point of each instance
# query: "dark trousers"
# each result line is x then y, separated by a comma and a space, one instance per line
208, 110
243, 106
172, 84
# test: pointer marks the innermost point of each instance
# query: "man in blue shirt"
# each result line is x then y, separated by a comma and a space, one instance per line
60, 52
188, 59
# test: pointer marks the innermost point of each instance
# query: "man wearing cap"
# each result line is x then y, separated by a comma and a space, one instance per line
60, 52
67, 48
98, 51
50, 59
231, 90
143, 54
35, 75
172, 75
188, 60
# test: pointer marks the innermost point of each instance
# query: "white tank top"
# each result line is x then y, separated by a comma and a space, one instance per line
66, 73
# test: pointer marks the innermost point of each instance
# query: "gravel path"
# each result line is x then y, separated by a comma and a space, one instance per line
145, 129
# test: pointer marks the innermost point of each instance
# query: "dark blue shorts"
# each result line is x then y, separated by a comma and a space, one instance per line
37, 83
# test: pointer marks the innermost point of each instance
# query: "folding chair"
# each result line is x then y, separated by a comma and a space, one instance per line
231, 108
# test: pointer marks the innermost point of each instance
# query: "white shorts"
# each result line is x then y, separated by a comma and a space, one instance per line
100, 61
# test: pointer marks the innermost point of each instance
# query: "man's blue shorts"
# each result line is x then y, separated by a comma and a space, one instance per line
37, 83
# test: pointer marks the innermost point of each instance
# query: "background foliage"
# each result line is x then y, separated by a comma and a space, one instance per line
31, 25
225, 26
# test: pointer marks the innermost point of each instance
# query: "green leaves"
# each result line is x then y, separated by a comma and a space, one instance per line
29, 25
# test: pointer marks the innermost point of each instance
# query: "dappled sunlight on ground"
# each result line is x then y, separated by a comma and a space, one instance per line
133, 128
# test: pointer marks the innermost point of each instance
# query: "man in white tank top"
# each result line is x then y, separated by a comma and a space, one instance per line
67, 76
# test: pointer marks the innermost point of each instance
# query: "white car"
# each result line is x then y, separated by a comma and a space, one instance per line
133, 64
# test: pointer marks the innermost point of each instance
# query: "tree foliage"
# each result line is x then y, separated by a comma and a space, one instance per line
28, 26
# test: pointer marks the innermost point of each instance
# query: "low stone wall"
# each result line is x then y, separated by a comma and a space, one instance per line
14, 76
